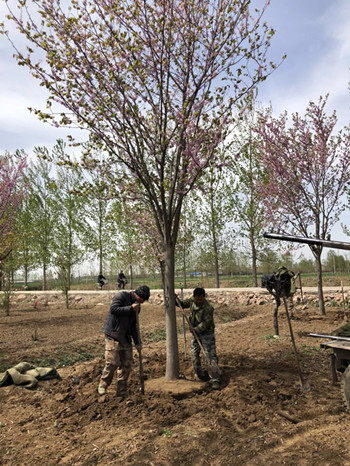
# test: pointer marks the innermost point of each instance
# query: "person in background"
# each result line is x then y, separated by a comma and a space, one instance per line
120, 329
101, 280
202, 322
121, 280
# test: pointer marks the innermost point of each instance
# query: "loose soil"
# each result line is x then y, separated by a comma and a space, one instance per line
261, 415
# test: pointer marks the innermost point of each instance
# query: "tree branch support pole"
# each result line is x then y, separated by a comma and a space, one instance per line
303, 383
343, 298
301, 289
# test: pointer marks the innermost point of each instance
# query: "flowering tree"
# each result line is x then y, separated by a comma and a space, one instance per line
155, 82
12, 191
11, 195
307, 173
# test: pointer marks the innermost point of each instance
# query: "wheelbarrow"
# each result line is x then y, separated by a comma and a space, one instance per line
340, 361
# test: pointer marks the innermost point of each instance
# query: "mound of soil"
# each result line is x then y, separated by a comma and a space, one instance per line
261, 415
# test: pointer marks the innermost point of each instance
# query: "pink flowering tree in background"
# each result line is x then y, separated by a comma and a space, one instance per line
12, 192
307, 168
155, 83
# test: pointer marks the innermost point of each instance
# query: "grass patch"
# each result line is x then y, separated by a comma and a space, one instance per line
334, 303
309, 350
224, 316
158, 335
64, 360
269, 337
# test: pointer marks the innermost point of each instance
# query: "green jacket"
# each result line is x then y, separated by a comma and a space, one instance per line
201, 317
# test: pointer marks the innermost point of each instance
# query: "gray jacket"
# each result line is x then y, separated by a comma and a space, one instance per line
121, 319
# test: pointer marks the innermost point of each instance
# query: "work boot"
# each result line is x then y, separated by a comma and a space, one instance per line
203, 376
122, 392
101, 390
215, 385
122, 396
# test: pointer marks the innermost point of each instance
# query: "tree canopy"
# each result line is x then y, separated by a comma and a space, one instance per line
12, 191
156, 83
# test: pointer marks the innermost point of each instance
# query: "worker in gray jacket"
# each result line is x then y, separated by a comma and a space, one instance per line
120, 330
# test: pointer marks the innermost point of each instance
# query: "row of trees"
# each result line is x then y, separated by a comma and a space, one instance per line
164, 87
70, 211
74, 212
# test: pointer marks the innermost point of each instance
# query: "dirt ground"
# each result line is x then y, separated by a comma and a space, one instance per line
261, 415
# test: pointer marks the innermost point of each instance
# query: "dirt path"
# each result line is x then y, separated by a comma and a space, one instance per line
260, 416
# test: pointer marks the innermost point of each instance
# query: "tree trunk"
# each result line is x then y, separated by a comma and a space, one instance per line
100, 253
254, 261
7, 293
216, 262
44, 277
25, 277
184, 266
215, 243
172, 350
320, 287
130, 274
66, 298
317, 253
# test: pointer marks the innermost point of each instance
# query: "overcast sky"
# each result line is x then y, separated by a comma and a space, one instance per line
315, 35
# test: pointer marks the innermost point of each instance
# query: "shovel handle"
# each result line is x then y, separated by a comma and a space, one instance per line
189, 324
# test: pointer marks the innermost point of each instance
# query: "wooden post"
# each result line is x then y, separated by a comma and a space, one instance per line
343, 298
302, 381
301, 288
333, 368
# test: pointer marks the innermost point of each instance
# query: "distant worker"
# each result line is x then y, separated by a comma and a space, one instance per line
101, 280
202, 322
120, 329
122, 281
280, 284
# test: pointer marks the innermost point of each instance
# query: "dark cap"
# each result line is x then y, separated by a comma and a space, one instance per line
143, 292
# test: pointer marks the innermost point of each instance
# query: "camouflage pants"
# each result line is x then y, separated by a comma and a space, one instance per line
210, 357
118, 357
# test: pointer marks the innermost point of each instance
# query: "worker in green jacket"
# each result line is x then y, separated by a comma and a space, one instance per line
202, 326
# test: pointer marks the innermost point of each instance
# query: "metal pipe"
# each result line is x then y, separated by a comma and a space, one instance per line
311, 241
332, 337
